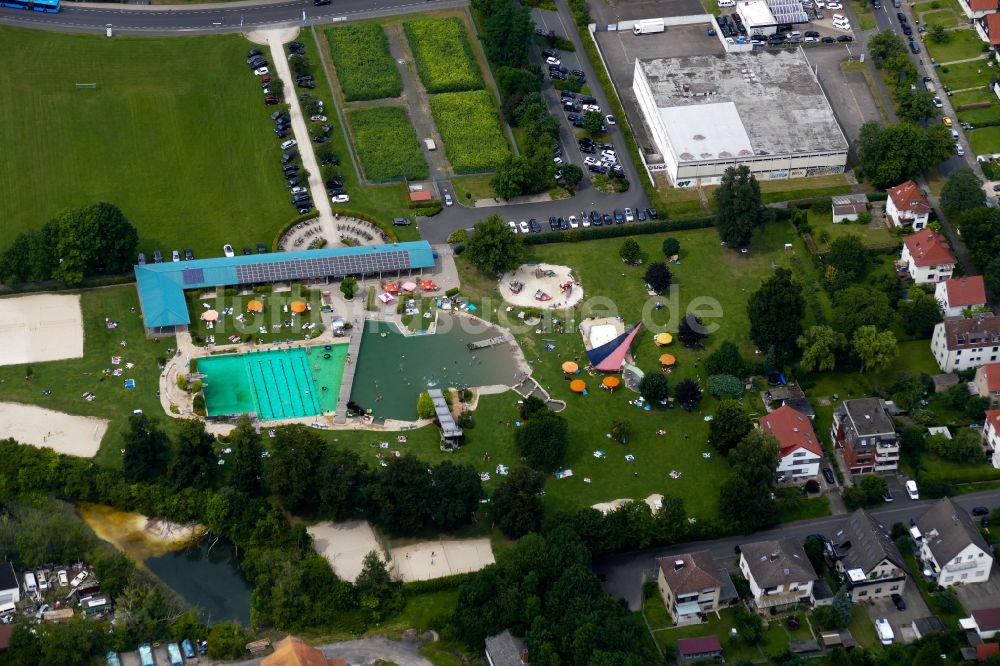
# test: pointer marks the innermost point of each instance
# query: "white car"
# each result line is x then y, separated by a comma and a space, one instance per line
523, 226
447, 200
610, 120
340, 198
911, 490
609, 154
846, 27
513, 226
938, 103
839, 18
298, 190
79, 578
884, 631
584, 221
959, 150
260, 71
318, 118
227, 250
558, 161
629, 217
553, 61
834, 5
591, 161
285, 145
795, 34
573, 222
809, 40
591, 107
61, 574
176, 256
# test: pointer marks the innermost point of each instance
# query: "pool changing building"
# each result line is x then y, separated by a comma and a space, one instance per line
767, 111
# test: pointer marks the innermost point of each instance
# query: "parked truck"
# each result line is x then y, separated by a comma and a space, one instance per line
648, 26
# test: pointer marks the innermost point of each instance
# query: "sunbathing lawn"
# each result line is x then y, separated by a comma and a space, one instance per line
275, 313
967, 74
961, 45
874, 234
943, 17
984, 140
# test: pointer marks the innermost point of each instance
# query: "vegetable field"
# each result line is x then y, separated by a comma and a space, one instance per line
364, 65
470, 127
386, 143
443, 55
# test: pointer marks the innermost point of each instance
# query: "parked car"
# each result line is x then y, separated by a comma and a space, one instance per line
828, 475
271, 101
513, 226
227, 249
175, 256
288, 144
629, 217
884, 631
447, 200
188, 254
261, 71
911, 490
341, 198
534, 226
887, 496
980, 511
898, 602
261, 248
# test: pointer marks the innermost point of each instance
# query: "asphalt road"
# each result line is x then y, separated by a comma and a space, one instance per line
625, 572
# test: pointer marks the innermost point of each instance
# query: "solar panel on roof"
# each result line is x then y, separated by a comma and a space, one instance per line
341, 266
193, 275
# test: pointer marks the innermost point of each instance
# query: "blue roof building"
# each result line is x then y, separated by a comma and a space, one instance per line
161, 286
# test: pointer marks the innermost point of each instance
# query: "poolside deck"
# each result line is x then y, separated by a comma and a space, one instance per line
350, 366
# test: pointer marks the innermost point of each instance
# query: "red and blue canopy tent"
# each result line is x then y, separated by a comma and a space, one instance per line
610, 356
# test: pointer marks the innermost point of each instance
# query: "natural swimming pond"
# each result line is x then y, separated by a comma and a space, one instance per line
277, 384
393, 369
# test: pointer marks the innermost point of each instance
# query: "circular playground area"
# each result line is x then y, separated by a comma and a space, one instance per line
541, 286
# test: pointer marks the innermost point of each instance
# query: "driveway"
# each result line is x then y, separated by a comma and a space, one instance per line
981, 595
901, 620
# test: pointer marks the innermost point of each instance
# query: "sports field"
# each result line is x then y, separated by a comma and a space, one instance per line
175, 134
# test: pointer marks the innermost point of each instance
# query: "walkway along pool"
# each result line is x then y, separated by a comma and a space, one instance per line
278, 384
393, 369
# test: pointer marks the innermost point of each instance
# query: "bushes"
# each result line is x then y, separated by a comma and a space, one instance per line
616, 231
364, 65
288, 225
973, 475
443, 55
387, 143
470, 129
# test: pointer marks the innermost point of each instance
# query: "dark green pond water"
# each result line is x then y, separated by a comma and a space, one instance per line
211, 582
394, 369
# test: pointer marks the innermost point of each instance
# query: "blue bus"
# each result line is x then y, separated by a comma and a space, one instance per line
50, 6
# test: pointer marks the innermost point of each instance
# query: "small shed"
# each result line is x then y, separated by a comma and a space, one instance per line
703, 647
848, 207
944, 382
925, 626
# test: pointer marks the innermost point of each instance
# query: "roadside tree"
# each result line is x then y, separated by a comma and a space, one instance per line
493, 248
593, 123
962, 191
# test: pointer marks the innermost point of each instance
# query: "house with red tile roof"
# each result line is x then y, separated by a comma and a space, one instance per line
977, 9
957, 294
800, 448
987, 382
991, 435
927, 257
906, 206
988, 28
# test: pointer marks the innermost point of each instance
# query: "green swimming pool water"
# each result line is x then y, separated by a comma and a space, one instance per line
277, 384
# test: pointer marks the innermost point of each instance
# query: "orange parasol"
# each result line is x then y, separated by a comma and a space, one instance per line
577, 386
255, 306
569, 367
390, 288
611, 382
667, 359
663, 339
297, 306
210, 315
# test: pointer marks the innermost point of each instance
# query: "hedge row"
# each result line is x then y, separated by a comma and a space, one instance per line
437, 584
974, 475
617, 231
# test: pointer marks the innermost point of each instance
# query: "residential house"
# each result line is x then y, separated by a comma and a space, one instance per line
986, 650
867, 559
988, 28
800, 449
927, 257
10, 587
957, 294
779, 573
292, 651
961, 344
905, 206
977, 9
985, 622
692, 585
848, 207
991, 435
952, 546
505, 649
987, 382
864, 430
696, 649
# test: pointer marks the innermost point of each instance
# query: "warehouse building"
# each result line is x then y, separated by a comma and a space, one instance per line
710, 112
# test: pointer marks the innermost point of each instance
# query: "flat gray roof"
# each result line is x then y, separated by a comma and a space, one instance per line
773, 96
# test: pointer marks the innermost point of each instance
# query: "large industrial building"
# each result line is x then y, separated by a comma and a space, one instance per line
710, 112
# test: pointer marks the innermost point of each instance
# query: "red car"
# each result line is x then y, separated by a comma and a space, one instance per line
270, 101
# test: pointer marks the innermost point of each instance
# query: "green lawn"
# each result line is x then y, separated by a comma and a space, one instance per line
873, 234
862, 628
718, 625
967, 74
275, 313
946, 18
865, 14
175, 134
387, 143
69, 379
986, 115
961, 44
470, 188
973, 96
654, 609
804, 188
984, 140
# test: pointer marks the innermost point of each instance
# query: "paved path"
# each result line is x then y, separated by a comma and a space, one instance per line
279, 61
626, 572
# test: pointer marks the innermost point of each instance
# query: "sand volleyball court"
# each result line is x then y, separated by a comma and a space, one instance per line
344, 545
63, 433
41, 327
437, 559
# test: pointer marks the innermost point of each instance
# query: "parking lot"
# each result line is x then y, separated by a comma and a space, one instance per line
620, 51
901, 620
603, 13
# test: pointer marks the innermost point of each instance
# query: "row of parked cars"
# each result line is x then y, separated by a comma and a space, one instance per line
188, 255
559, 71
584, 220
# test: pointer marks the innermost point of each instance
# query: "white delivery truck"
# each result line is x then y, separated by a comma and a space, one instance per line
30, 586
648, 26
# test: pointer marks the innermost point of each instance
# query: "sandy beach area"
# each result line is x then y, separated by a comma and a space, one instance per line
63, 433
40, 327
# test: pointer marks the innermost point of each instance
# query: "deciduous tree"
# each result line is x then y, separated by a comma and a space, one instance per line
776, 310
894, 153
849, 256
729, 427
630, 252
516, 505
859, 306
739, 208
726, 360
920, 313
962, 191
194, 461
146, 449
92, 240
378, 594
688, 394
671, 246
654, 387
819, 346
401, 498
875, 348
658, 277
292, 471
246, 468
458, 491
493, 247
542, 440
691, 331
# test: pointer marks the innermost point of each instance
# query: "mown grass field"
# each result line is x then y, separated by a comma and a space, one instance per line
967, 74
175, 134
470, 128
365, 67
443, 55
961, 44
387, 143
984, 140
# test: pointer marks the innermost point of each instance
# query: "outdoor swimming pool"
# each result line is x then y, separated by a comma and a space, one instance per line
278, 384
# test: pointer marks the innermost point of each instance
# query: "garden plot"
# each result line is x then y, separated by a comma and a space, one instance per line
387, 144
44, 327
469, 125
365, 67
443, 55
